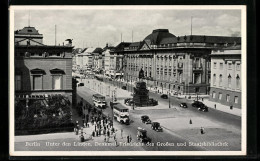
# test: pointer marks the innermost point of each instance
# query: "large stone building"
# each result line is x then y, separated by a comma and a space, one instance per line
174, 64
225, 86
41, 69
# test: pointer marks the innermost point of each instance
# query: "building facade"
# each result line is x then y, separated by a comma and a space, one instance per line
174, 64
41, 69
226, 76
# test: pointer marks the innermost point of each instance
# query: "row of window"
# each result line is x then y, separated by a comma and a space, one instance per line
38, 82
229, 85
227, 97
229, 65
21, 54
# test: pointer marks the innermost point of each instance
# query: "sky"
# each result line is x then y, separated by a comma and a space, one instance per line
96, 28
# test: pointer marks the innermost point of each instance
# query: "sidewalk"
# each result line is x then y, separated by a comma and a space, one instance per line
211, 104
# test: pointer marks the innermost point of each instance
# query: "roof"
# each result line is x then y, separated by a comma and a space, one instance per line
227, 51
119, 106
89, 50
27, 31
201, 39
121, 46
98, 50
158, 35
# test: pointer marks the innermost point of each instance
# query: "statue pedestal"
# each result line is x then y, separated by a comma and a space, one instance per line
141, 94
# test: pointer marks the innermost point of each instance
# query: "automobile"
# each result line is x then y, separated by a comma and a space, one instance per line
142, 135
183, 105
152, 102
145, 119
197, 104
203, 108
126, 100
124, 87
129, 102
81, 84
156, 126
164, 96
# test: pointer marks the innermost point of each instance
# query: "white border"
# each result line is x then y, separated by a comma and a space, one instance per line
12, 152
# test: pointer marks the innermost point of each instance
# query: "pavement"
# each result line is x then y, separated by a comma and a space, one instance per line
69, 141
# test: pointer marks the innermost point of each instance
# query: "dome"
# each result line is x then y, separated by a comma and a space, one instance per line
157, 35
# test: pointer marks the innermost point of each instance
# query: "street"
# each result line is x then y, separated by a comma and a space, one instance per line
219, 126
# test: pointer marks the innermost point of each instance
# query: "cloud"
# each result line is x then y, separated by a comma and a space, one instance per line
98, 27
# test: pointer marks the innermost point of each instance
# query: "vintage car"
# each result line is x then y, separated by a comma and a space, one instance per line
156, 126
142, 135
145, 119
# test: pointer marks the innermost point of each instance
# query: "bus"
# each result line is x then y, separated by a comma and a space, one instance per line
121, 114
99, 101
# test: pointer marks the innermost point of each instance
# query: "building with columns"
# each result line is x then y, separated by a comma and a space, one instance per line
225, 86
174, 64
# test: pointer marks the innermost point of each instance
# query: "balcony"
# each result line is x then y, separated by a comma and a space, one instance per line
197, 68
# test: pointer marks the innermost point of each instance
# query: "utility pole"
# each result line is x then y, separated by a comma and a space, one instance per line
191, 26
55, 35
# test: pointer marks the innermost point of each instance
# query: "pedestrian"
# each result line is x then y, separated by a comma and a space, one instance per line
202, 130
122, 133
116, 142
95, 127
202, 99
108, 133
128, 139
215, 106
93, 134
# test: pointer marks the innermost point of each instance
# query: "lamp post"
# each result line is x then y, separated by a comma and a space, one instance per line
169, 100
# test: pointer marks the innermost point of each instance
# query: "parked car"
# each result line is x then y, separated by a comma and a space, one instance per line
197, 104
164, 96
183, 105
156, 126
145, 119
152, 102
126, 100
203, 108
124, 87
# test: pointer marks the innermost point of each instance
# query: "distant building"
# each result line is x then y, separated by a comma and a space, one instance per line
225, 87
117, 60
173, 64
41, 69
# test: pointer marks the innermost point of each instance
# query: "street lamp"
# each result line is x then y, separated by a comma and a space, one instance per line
169, 100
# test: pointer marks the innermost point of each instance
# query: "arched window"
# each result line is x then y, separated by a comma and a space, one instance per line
229, 81
220, 80
238, 82
214, 79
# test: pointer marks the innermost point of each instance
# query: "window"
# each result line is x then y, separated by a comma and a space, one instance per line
221, 66
229, 65
213, 94
238, 67
214, 79
238, 82
220, 96
228, 98
229, 81
215, 65
220, 80
37, 82
236, 99
18, 82
56, 82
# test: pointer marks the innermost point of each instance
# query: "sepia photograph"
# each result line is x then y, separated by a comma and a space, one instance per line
127, 80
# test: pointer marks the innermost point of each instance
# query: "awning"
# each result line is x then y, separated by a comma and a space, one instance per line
57, 71
37, 71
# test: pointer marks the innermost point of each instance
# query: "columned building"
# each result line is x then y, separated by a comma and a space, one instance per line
226, 76
174, 64
41, 69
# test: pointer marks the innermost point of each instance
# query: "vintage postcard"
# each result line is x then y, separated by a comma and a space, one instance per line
127, 80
